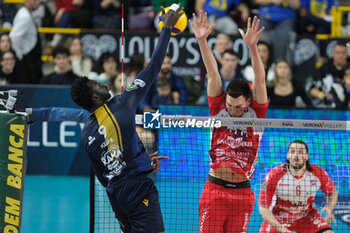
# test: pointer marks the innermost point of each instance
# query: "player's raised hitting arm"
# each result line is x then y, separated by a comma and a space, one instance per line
201, 32
251, 38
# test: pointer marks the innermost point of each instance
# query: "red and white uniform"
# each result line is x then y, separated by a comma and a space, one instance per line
291, 199
223, 209
237, 148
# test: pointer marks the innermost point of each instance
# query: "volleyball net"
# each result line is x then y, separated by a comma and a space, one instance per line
187, 141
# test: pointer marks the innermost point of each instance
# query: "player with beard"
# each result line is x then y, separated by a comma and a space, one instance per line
287, 195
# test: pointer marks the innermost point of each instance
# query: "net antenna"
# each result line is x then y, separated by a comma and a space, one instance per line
9, 102
122, 47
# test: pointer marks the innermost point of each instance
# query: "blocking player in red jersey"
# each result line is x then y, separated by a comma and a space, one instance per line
287, 195
227, 201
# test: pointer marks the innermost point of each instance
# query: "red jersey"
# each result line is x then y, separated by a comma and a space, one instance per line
235, 147
292, 198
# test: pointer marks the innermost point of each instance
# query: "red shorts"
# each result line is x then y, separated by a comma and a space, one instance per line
312, 223
223, 209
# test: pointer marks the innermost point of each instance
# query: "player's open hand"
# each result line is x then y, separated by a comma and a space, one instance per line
155, 160
171, 17
252, 35
200, 27
330, 216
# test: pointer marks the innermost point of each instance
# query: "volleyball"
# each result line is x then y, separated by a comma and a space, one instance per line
179, 27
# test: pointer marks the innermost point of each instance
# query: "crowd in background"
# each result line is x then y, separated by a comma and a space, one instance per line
21, 49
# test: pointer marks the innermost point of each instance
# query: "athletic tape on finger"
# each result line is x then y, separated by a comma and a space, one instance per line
241, 31
174, 7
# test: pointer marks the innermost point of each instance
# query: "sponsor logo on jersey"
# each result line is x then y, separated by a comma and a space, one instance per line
145, 201
91, 140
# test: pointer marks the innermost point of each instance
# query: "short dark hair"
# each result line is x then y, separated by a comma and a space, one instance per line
163, 82
238, 87
104, 57
60, 50
81, 94
229, 51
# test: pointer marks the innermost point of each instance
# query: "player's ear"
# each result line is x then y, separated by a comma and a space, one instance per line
249, 100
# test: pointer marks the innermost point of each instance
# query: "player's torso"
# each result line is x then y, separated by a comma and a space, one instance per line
111, 141
235, 147
294, 197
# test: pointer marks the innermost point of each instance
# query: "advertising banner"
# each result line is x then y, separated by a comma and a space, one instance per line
13, 164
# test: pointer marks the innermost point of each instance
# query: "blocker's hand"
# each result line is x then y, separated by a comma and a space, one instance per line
155, 160
171, 17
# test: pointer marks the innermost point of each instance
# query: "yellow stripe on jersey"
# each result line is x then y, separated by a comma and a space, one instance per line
109, 126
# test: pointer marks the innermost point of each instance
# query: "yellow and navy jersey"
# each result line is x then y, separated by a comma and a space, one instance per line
109, 135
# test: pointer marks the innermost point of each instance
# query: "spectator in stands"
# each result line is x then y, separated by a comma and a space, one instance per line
222, 43
108, 64
283, 90
115, 84
9, 72
315, 18
164, 95
69, 14
141, 14
331, 72
5, 42
106, 14
136, 64
278, 17
266, 55
228, 72
178, 86
7, 14
25, 41
219, 13
81, 63
63, 74
341, 91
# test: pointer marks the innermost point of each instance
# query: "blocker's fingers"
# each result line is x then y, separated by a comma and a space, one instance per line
254, 23
249, 23
195, 19
241, 31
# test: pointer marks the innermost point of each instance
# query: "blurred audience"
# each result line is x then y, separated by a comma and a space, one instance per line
5, 42
279, 18
69, 14
266, 55
341, 91
81, 63
7, 14
178, 86
141, 14
63, 74
315, 18
284, 89
136, 64
228, 72
331, 72
222, 43
108, 64
25, 41
163, 95
219, 13
10, 72
106, 14
115, 84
